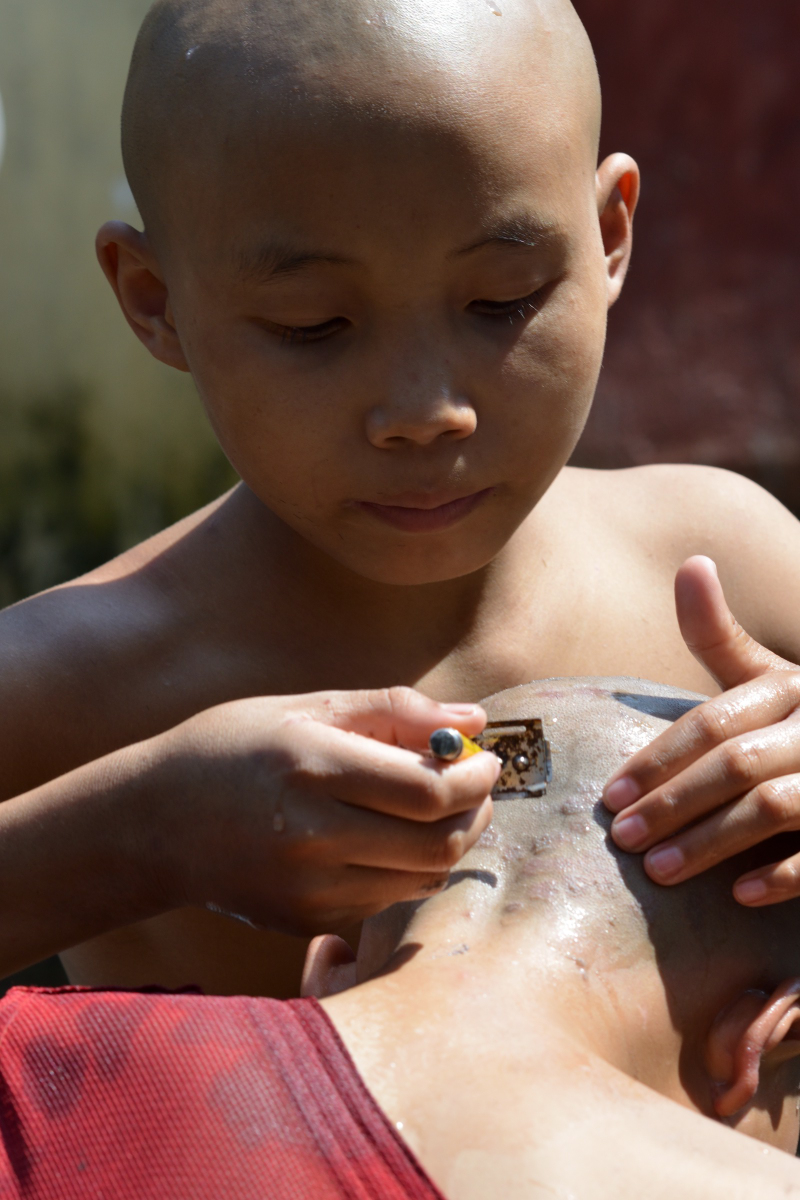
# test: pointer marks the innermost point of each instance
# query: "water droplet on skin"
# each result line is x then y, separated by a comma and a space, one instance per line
494, 8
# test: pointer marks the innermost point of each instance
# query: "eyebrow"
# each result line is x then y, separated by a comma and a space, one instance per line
275, 259
523, 230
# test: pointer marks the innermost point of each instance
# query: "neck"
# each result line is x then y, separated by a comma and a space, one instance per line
463, 960
421, 623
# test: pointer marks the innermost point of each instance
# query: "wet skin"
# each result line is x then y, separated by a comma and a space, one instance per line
444, 353
582, 996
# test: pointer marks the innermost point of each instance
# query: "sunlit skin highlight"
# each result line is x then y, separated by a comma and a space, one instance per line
381, 243
545, 1024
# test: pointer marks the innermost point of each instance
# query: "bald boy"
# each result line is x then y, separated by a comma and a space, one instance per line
379, 240
553, 1024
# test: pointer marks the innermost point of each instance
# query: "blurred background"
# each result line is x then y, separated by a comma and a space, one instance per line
101, 446
703, 358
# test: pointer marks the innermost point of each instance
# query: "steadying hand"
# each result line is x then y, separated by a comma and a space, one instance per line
726, 776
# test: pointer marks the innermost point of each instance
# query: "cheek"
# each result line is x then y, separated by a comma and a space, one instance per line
775, 1117
287, 458
780, 1130
572, 343
281, 435
549, 379
787, 1133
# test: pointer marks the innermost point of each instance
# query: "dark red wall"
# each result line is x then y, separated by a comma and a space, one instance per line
703, 359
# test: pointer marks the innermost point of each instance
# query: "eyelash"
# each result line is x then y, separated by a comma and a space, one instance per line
298, 335
511, 310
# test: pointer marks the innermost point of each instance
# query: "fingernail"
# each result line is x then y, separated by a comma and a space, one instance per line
630, 832
622, 794
665, 863
463, 710
750, 890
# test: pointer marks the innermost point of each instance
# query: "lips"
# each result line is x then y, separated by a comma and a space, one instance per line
422, 514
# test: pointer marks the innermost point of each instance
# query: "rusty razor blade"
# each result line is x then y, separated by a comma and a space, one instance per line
525, 754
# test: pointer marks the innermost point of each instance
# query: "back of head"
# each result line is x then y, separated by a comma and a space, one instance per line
560, 851
553, 861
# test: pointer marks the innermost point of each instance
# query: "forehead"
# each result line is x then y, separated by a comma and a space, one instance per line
378, 155
352, 194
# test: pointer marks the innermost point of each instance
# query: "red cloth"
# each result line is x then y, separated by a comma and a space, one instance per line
109, 1095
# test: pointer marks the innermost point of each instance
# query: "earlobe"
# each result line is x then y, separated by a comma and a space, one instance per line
130, 266
617, 196
758, 1031
330, 967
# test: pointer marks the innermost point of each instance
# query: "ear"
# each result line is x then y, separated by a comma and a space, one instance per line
330, 967
756, 1033
618, 184
130, 266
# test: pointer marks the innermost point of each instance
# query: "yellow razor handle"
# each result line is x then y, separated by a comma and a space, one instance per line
449, 745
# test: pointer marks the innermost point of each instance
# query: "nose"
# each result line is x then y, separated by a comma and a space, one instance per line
420, 419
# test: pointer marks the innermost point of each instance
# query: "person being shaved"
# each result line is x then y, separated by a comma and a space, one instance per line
377, 235
553, 1024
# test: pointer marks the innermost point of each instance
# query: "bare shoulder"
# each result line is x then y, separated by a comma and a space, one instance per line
669, 512
674, 497
98, 662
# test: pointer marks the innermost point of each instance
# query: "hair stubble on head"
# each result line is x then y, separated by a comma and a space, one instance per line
554, 855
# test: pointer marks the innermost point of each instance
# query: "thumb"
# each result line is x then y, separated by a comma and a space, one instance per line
711, 631
400, 716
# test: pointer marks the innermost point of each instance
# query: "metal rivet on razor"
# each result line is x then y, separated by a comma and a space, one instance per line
521, 747
525, 754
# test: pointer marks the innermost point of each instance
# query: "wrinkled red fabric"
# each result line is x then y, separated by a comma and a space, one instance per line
111, 1095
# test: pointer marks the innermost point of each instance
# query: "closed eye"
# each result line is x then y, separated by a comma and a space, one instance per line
300, 334
509, 310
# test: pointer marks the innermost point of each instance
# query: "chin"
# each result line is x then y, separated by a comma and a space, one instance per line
416, 560
385, 556
420, 567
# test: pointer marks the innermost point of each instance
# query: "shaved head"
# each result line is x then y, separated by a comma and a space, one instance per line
208, 72
551, 859
372, 224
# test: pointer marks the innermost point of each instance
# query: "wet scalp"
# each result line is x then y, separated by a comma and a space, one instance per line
593, 726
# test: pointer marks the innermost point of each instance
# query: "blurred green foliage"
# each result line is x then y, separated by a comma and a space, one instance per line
64, 509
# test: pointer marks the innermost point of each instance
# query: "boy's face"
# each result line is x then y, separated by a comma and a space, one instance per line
395, 322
